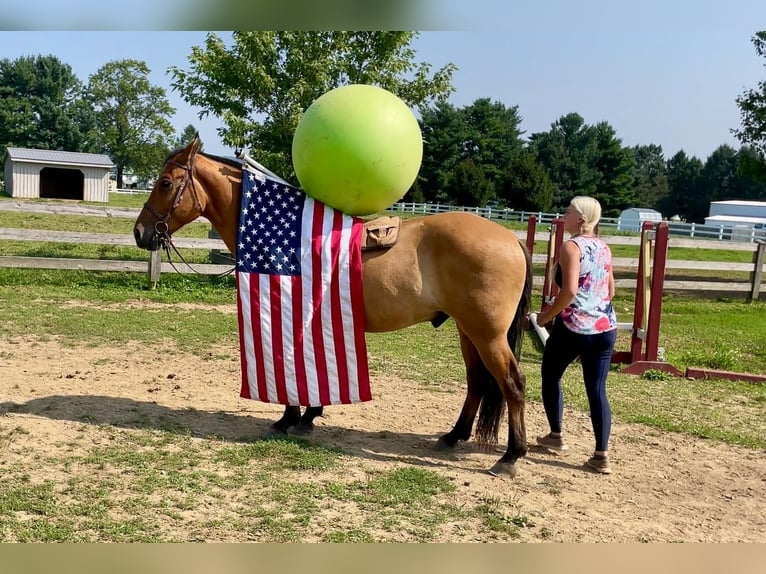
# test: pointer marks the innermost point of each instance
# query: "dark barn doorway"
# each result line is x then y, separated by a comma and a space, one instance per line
60, 183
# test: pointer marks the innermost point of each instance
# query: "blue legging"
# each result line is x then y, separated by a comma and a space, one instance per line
595, 352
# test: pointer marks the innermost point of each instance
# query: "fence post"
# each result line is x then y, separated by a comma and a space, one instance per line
155, 265
755, 278
531, 229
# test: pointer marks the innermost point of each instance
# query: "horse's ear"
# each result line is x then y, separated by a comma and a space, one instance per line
194, 145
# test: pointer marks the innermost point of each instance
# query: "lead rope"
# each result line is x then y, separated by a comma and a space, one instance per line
168, 243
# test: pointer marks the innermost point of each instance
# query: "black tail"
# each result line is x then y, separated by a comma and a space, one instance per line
520, 322
493, 405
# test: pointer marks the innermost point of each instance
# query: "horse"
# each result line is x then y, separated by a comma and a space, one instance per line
449, 265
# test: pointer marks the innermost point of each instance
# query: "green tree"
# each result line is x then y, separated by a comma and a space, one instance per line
721, 179
132, 117
526, 185
752, 105
568, 152
260, 85
751, 172
444, 131
469, 185
651, 183
186, 136
485, 133
493, 137
42, 106
615, 166
684, 186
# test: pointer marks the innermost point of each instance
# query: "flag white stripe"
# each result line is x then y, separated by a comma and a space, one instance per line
326, 309
288, 346
307, 278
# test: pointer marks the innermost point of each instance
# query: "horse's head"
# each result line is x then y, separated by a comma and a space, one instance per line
174, 201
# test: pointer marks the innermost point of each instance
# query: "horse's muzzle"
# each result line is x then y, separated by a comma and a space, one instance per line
146, 237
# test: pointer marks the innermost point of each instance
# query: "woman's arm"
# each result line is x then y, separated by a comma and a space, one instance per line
569, 261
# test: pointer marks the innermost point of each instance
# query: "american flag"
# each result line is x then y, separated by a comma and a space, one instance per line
299, 298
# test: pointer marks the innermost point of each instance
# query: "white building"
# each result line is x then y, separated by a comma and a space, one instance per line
741, 216
32, 173
633, 218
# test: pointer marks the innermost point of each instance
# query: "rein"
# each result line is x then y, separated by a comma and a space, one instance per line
161, 226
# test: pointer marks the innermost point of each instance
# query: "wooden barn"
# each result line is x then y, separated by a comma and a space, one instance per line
33, 173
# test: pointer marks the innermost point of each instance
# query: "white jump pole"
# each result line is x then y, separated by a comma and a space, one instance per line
539, 329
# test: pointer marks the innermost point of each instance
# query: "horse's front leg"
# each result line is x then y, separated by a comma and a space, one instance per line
290, 418
477, 378
306, 425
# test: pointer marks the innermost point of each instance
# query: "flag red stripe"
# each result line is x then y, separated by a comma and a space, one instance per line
337, 310
357, 311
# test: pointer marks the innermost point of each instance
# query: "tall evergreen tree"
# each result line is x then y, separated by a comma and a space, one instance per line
469, 185
568, 153
651, 181
186, 136
494, 137
684, 186
444, 131
615, 165
526, 185
750, 183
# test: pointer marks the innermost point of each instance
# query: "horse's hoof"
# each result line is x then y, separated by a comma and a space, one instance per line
442, 445
303, 429
503, 469
274, 433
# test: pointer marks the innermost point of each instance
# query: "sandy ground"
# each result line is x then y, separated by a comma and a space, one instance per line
666, 487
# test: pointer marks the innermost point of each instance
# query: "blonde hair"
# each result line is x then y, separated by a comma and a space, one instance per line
589, 209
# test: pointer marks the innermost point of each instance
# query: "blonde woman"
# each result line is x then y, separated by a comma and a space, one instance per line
584, 326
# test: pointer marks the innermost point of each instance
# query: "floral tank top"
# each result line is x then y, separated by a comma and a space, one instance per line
591, 311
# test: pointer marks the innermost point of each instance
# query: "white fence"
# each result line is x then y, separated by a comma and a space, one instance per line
677, 228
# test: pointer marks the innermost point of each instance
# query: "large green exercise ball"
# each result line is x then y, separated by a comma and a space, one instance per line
358, 149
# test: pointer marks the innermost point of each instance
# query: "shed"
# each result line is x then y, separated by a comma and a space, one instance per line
633, 218
32, 173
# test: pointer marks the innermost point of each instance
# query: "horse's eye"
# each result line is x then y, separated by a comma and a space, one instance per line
166, 184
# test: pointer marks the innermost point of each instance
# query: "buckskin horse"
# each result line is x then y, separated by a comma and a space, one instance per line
456, 265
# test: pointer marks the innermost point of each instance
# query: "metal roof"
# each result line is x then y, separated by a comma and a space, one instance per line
59, 157
642, 210
742, 202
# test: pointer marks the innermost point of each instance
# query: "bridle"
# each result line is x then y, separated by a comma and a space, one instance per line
161, 226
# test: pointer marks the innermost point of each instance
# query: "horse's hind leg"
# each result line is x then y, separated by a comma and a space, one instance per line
478, 377
306, 425
499, 359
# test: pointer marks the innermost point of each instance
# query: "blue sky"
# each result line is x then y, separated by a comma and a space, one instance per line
664, 73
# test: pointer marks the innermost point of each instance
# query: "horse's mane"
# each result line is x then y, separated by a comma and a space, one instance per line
232, 161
